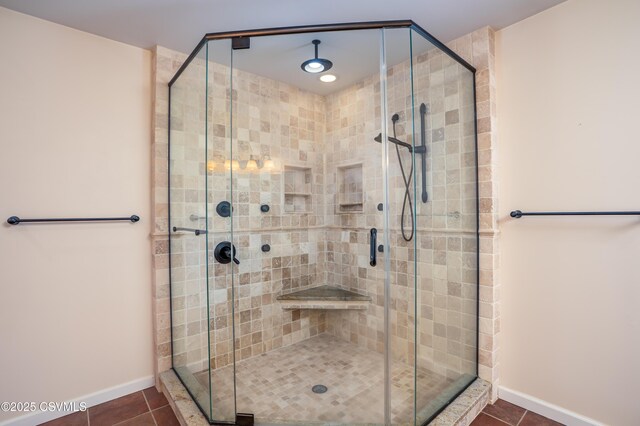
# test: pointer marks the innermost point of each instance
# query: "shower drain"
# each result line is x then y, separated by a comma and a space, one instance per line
319, 389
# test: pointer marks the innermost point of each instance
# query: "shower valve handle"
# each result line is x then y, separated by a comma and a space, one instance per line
223, 253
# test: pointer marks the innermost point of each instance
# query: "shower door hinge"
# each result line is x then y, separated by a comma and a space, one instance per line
240, 43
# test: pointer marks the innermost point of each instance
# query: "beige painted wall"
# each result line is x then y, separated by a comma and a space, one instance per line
75, 300
568, 111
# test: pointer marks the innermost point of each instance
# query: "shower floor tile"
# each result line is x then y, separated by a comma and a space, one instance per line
276, 386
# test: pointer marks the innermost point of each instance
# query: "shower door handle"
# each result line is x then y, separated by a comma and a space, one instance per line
373, 234
195, 231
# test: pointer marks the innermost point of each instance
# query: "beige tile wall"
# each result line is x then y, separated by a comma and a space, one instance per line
478, 48
270, 119
188, 194
343, 259
445, 233
164, 65
287, 124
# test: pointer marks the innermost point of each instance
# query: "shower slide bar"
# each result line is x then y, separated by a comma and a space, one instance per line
15, 220
518, 213
195, 231
418, 149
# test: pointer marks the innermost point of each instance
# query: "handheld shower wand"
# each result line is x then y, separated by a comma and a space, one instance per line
420, 149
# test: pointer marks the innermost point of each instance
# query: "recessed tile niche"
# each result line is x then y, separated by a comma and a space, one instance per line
297, 189
350, 194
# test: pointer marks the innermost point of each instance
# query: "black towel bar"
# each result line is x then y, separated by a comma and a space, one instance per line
518, 213
15, 220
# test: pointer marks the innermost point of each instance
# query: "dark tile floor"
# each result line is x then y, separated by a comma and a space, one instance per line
504, 413
147, 407
150, 408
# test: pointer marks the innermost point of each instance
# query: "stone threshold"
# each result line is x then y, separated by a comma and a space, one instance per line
461, 412
185, 409
466, 407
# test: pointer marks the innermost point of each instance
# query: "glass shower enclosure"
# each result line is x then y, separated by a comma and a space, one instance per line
324, 225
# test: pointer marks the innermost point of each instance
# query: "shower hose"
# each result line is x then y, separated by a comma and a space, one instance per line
407, 194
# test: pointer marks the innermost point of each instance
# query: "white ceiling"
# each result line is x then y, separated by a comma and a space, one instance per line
355, 56
180, 24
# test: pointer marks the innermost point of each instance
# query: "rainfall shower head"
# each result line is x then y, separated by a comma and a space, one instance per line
316, 64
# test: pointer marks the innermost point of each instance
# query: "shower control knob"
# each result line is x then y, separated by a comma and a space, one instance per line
223, 209
223, 253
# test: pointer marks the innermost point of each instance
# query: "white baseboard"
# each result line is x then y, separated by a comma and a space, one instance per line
545, 409
38, 417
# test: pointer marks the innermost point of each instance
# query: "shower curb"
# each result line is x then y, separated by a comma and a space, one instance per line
466, 407
186, 411
460, 412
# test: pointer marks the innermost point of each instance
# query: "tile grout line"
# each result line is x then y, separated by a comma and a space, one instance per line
499, 419
522, 418
149, 407
134, 417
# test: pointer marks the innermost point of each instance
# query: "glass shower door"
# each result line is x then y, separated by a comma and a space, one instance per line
401, 174
220, 199
188, 231
307, 182
200, 225
446, 280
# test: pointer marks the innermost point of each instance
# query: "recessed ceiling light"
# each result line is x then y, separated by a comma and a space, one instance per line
328, 78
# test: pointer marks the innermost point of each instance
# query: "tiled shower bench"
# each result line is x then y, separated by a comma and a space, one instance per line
323, 297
